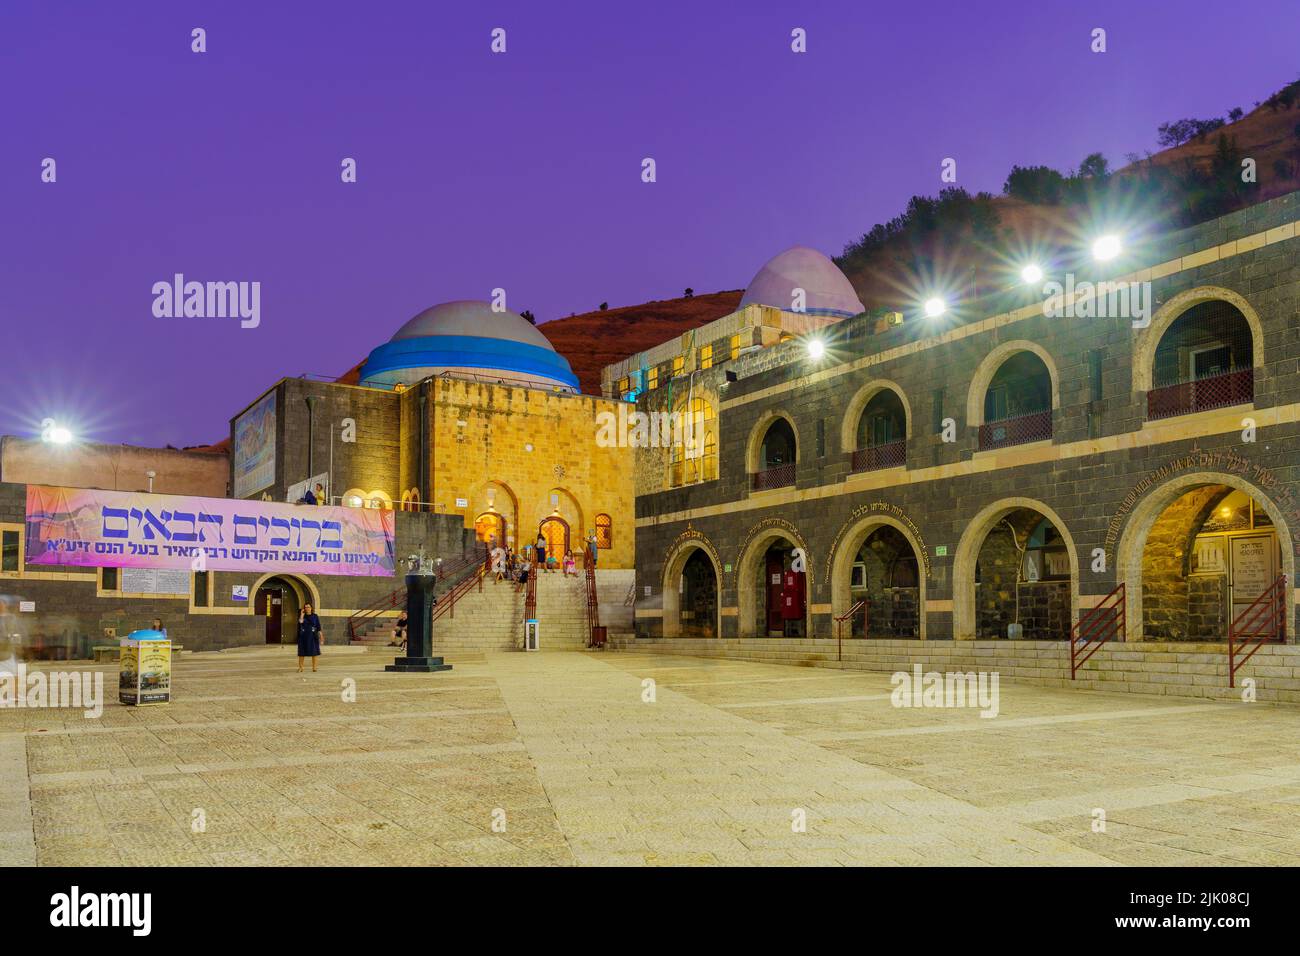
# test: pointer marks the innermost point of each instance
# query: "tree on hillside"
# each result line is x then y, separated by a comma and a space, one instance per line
690, 293
1169, 135
1036, 184
1094, 166
1235, 114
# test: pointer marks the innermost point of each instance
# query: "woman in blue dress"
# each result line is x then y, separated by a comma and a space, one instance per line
308, 636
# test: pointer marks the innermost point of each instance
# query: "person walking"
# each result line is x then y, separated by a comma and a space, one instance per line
308, 636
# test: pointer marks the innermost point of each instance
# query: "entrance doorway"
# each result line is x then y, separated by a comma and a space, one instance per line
556, 533
277, 603
784, 610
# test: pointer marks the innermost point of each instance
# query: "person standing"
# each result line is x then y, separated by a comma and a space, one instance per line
591, 546
308, 636
540, 548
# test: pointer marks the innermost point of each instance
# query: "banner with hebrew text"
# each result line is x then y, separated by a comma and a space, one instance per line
85, 527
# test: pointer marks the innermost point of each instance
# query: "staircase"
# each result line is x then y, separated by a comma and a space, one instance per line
562, 611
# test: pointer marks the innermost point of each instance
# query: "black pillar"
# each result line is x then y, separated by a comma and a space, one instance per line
419, 628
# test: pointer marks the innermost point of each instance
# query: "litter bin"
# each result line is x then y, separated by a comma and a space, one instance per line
145, 673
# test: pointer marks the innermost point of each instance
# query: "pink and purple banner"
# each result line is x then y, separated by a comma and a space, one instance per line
85, 527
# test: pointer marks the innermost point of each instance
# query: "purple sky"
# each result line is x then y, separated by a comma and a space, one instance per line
519, 170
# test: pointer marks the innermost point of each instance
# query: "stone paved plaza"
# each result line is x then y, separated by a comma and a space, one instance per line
567, 753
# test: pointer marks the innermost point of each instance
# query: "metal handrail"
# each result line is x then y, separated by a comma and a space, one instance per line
1097, 624
1271, 605
593, 603
863, 605
397, 598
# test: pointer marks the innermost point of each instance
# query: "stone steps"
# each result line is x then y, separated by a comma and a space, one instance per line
1199, 670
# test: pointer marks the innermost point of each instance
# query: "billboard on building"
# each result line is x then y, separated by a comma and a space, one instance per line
85, 527
253, 455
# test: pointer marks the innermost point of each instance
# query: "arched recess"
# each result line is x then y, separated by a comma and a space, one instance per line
753, 450
673, 568
989, 367
1147, 340
559, 503
1132, 542
850, 543
858, 404
303, 585
747, 569
968, 551
497, 496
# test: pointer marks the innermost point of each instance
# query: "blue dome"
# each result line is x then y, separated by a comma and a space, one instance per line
471, 337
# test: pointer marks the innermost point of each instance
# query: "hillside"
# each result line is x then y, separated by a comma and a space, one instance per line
592, 340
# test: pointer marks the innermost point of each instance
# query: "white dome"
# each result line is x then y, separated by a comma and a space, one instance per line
826, 289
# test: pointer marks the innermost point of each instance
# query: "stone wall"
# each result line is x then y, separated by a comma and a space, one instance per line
1104, 460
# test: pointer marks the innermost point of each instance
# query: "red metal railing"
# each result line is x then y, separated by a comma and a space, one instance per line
1262, 622
889, 455
364, 618
530, 591
1096, 626
863, 605
447, 606
1036, 426
596, 633
1213, 391
777, 477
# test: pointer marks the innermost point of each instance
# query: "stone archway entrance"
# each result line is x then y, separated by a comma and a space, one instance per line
879, 560
691, 590
770, 604
1195, 552
277, 600
1016, 572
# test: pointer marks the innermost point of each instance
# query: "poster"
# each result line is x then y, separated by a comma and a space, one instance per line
253, 455
1252, 567
85, 527
145, 672
154, 581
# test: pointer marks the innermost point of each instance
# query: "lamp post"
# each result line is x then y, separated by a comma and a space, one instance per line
421, 580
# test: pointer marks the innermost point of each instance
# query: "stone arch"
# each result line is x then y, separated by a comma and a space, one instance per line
1147, 340
563, 501
673, 568
494, 495
759, 432
747, 569
1132, 542
968, 550
850, 541
301, 583
989, 367
858, 404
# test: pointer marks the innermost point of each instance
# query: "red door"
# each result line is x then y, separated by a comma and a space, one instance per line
270, 603
775, 593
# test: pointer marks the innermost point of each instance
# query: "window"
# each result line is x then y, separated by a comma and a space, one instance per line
201, 586
706, 357
735, 346
695, 451
821, 438
679, 365
652, 379
622, 386
1094, 375
11, 551
108, 579
604, 532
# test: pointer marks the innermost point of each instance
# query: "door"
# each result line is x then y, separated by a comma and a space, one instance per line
556, 533
775, 593
270, 604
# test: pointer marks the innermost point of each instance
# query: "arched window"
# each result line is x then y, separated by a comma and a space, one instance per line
777, 453
604, 532
694, 455
1017, 403
1205, 360
881, 433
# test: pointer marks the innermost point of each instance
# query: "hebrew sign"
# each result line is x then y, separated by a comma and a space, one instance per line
120, 529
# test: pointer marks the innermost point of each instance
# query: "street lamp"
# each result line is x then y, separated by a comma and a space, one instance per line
1032, 274
1106, 247
935, 307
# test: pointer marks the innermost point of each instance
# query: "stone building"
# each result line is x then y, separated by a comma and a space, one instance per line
998, 471
466, 425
